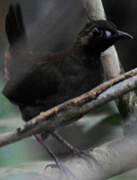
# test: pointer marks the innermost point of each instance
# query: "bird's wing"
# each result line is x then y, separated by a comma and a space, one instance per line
27, 79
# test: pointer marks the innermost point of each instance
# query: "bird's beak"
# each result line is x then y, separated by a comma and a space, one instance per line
123, 35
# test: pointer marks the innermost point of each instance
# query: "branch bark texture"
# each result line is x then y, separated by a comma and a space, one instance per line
103, 162
75, 108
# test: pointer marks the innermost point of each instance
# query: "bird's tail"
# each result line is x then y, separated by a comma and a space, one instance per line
14, 24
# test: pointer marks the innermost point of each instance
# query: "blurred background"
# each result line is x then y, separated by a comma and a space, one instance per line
53, 25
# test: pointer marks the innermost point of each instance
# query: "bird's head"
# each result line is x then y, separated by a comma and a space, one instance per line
100, 35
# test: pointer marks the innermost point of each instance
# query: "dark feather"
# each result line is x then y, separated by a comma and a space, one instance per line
14, 24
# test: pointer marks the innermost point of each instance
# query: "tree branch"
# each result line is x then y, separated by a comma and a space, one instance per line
103, 162
75, 108
110, 59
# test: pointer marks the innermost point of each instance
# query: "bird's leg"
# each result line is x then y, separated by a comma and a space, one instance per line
41, 141
66, 171
67, 144
73, 149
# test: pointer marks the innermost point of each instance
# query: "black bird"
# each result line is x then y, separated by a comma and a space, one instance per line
37, 83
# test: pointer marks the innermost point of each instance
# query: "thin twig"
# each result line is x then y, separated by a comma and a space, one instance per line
74, 109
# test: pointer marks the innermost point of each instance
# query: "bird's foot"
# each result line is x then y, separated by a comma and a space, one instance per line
57, 161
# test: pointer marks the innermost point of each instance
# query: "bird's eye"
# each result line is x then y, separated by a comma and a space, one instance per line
108, 34
97, 32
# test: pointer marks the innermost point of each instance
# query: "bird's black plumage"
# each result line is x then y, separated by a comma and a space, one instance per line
37, 83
